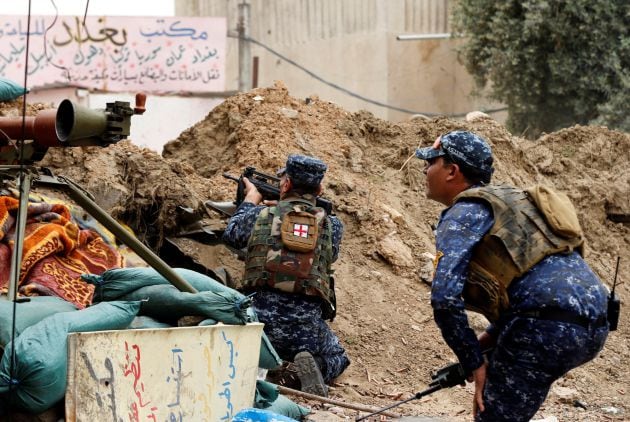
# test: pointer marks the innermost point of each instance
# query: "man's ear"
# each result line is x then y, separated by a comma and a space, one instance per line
320, 189
453, 171
286, 186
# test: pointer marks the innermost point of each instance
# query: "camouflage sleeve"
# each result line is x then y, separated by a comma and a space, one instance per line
337, 234
241, 225
459, 230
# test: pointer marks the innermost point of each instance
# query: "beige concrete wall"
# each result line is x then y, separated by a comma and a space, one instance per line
352, 44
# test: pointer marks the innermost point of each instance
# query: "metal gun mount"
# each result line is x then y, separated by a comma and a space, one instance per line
70, 125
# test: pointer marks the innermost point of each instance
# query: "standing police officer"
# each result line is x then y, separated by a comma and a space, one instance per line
290, 248
497, 255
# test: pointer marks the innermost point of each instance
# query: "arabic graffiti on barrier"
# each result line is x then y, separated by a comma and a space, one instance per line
226, 394
141, 406
116, 54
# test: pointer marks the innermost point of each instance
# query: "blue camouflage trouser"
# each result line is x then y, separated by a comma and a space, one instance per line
294, 324
530, 355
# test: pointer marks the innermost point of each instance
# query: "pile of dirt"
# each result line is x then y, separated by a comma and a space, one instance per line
383, 275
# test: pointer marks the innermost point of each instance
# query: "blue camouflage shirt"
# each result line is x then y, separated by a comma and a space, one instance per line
241, 225
561, 281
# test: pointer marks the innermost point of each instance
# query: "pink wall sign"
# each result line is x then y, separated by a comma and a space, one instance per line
157, 54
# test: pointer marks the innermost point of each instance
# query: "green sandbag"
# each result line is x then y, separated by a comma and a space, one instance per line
113, 284
167, 304
28, 313
119, 283
39, 373
10, 90
268, 358
268, 398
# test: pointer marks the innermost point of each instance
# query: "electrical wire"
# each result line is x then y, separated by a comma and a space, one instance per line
347, 91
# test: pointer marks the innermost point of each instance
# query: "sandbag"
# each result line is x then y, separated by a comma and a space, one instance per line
41, 354
268, 398
167, 304
121, 283
113, 284
28, 313
10, 90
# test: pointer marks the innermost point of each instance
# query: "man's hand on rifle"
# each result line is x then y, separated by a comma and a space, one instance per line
251, 193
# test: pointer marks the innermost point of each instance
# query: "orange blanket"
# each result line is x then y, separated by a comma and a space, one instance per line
55, 253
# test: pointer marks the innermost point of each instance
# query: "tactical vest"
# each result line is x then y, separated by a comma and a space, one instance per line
518, 240
290, 250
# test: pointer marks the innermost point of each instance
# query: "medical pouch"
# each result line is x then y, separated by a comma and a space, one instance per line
299, 231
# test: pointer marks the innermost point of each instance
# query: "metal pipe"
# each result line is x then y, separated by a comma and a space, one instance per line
24, 187
40, 128
415, 37
244, 49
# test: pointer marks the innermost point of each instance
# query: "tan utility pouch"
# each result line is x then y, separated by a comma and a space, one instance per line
485, 294
558, 211
299, 231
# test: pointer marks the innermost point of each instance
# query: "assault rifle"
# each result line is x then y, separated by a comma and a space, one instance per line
269, 188
446, 377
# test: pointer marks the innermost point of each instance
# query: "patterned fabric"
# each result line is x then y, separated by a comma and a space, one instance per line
55, 252
559, 281
304, 171
295, 324
271, 264
464, 148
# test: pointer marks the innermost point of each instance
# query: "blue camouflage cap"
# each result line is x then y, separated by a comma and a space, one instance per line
304, 170
466, 149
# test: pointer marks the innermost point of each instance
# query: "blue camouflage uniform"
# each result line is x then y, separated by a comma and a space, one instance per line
294, 322
530, 353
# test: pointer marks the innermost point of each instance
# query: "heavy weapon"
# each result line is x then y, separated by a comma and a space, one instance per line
267, 185
70, 125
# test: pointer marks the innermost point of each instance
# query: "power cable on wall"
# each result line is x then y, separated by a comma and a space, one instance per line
353, 94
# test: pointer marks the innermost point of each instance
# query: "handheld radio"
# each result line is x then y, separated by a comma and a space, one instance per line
613, 304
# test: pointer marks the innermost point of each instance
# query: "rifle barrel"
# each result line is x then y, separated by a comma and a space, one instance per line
229, 176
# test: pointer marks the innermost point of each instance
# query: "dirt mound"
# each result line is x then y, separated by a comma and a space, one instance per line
136, 185
385, 319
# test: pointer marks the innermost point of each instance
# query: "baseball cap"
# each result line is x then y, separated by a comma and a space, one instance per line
467, 149
304, 170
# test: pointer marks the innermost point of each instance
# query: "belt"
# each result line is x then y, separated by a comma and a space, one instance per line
563, 316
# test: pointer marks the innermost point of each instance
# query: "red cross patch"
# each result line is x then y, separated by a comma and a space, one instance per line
300, 230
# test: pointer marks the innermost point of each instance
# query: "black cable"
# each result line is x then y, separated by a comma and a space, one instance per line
353, 94
63, 68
